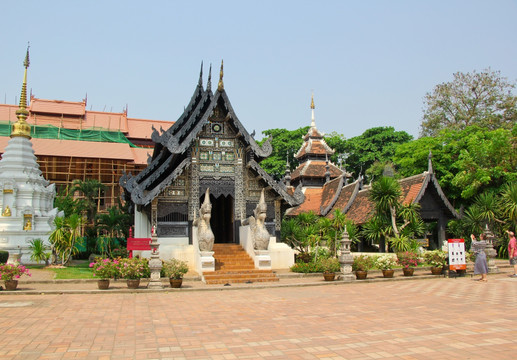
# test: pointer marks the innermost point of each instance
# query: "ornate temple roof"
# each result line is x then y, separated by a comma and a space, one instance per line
314, 156
354, 199
171, 150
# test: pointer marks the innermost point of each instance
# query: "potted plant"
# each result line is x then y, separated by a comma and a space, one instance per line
408, 260
133, 270
361, 265
174, 269
329, 266
10, 273
386, 263
437, 259
104, 270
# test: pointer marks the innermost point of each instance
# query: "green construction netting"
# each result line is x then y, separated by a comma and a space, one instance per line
53, 132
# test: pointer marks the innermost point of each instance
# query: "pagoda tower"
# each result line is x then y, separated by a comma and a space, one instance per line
315, 167
26, 198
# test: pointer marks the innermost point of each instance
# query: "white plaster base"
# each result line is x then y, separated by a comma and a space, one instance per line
262, 260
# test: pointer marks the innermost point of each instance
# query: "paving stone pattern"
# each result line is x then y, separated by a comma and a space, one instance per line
439, 318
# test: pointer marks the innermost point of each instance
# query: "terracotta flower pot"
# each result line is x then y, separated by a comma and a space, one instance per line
103, 284
133, 283
329, 276
361, 275
388, 273
11, 284
436, 270
408, 271
175, 283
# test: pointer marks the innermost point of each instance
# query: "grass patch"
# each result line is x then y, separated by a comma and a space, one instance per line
79, 269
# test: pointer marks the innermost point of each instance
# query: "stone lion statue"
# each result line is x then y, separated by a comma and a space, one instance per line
204, 231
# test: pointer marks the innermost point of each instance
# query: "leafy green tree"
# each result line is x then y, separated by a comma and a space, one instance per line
466, 162
374, 145
285, 144
113, 224
484, 99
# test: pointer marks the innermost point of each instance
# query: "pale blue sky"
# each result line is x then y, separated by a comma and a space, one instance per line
369, 63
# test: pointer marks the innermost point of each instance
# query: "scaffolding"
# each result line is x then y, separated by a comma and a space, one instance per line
64, 170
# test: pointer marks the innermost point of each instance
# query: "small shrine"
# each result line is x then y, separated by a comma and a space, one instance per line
26, 198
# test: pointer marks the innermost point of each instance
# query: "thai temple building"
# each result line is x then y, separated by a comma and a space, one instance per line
73, 143
315, 168
208, 155
26, 197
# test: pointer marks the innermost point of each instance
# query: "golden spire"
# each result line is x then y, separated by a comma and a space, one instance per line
220, 86
312, 101
21, 127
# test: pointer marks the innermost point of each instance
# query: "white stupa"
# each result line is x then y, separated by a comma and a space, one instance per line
26, 198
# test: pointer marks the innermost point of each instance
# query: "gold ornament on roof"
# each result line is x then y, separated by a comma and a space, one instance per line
312, 101
220, 86
21, 127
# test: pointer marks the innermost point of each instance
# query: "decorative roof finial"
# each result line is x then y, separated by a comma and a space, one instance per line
20, 127
209, 83
327, 169
200, 82
287, 171
430, 163
220, 86
313, 123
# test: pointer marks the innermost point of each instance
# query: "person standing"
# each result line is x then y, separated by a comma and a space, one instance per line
512, 252
480, 266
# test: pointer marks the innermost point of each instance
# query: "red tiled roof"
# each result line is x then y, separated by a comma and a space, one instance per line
314, 147
72, 115
142, 128
411, 187
57, 107
315, 169
85, 149
345, 196
312, 203
362, 208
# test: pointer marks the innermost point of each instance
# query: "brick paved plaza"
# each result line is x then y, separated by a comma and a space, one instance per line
421, 319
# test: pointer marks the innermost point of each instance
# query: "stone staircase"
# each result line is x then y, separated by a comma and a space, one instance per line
234, 265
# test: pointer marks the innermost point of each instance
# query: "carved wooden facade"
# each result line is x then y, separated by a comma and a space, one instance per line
207, 147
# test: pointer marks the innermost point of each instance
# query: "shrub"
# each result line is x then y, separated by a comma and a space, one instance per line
330, 265
436, 258
13, 271
306, 267
134, 268
363, 263
385, 262
408, 259
175, 268
105, 268
4, 256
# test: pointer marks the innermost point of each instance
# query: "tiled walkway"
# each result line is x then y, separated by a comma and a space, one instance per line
436, 318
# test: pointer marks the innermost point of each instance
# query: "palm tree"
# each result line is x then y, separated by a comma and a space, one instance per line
509, 202
90, 189
114, 223
385, 193
63, 239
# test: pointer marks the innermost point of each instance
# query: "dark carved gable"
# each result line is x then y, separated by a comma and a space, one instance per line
209, 142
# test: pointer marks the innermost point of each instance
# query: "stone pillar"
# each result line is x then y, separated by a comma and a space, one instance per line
155, 264
490, 251
346, 259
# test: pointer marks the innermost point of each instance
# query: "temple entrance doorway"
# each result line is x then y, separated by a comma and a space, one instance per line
222, 218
